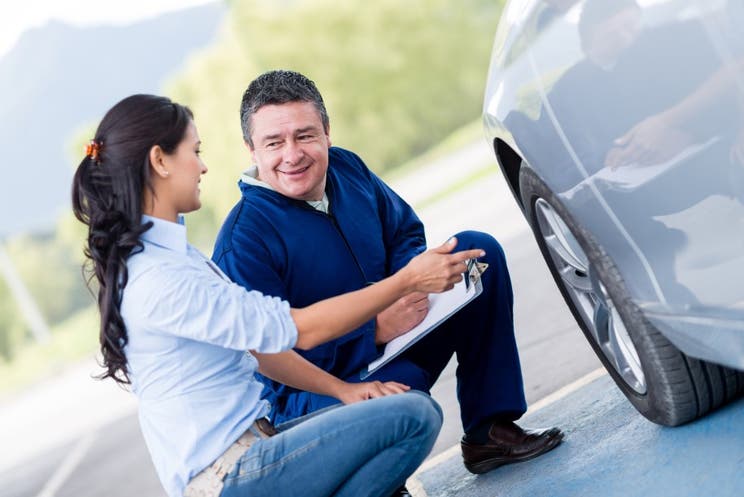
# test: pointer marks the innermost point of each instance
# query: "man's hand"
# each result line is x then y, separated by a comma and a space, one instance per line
402, 316
438, 269
355, 392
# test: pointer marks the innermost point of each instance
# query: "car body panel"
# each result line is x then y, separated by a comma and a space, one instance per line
634, 116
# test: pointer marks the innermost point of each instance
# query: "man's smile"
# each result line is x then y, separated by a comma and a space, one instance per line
294, 171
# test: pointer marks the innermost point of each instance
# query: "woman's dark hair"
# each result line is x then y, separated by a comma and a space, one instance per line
107, 196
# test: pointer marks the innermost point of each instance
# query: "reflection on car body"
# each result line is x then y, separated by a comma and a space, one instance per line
619, 126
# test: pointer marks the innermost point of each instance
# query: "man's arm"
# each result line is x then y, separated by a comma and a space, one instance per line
244, 256
403, 235
402, 230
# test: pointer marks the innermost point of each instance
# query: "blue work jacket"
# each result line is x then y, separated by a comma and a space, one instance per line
284, 247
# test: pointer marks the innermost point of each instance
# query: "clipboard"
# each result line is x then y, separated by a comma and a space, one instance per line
441, 307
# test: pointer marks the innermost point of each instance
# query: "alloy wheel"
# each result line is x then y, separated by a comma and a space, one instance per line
590, 297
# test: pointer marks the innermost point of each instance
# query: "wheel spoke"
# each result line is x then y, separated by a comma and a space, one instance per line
628, 362
560, 239
557, 246
576, 280
601, 322
590, 297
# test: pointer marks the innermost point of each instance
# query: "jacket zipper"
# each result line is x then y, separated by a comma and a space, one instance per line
335, 224
334, 221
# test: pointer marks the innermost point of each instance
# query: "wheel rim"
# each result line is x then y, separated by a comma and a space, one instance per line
590, 297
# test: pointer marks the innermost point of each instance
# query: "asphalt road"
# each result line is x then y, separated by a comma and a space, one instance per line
59, 452
609, 450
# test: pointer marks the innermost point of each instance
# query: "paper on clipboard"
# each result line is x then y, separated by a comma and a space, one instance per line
441, 307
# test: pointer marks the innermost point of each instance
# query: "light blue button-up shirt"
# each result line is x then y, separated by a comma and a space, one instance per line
189, 328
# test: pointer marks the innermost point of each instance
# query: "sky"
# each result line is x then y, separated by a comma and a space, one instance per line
19, 16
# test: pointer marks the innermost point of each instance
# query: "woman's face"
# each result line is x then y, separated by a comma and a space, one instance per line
185, 169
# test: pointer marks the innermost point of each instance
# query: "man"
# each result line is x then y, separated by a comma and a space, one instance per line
314, 222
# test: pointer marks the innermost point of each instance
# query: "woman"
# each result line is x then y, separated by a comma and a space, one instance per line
174, 327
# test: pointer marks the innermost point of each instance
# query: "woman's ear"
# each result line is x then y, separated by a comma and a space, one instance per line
157, 162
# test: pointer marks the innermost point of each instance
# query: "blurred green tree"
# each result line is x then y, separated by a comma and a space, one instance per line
13, 330
397, 77
50, 268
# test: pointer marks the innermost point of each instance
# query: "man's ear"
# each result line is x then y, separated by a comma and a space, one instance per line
251, 150
328, 136
157, 162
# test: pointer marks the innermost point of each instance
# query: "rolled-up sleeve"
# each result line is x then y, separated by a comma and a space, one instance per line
199, 305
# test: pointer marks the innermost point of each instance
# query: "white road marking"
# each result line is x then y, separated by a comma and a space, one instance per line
68, 466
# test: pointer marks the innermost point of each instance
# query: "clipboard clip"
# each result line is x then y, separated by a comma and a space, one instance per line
474, 272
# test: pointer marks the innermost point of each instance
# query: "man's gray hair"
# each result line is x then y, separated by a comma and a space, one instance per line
276, 88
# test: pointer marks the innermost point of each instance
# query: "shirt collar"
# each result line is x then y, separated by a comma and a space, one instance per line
165, 234
250, 177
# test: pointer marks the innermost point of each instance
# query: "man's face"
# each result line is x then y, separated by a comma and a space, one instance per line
290, 148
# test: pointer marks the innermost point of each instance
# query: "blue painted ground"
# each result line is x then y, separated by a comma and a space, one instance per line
611, 450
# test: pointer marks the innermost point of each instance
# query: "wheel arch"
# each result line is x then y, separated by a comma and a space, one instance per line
510, 163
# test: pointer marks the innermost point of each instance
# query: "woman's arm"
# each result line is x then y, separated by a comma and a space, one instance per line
292, 369
434, 271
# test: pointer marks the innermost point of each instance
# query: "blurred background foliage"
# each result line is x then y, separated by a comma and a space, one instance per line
397, 76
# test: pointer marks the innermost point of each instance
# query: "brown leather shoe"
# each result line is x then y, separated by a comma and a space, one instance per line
508, 443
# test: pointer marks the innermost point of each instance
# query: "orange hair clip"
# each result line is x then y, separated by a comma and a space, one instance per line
93, 150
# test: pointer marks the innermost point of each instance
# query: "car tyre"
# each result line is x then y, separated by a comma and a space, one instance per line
663, 384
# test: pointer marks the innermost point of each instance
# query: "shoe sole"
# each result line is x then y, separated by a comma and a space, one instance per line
487, 465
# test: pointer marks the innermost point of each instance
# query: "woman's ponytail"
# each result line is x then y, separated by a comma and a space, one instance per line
107, 196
